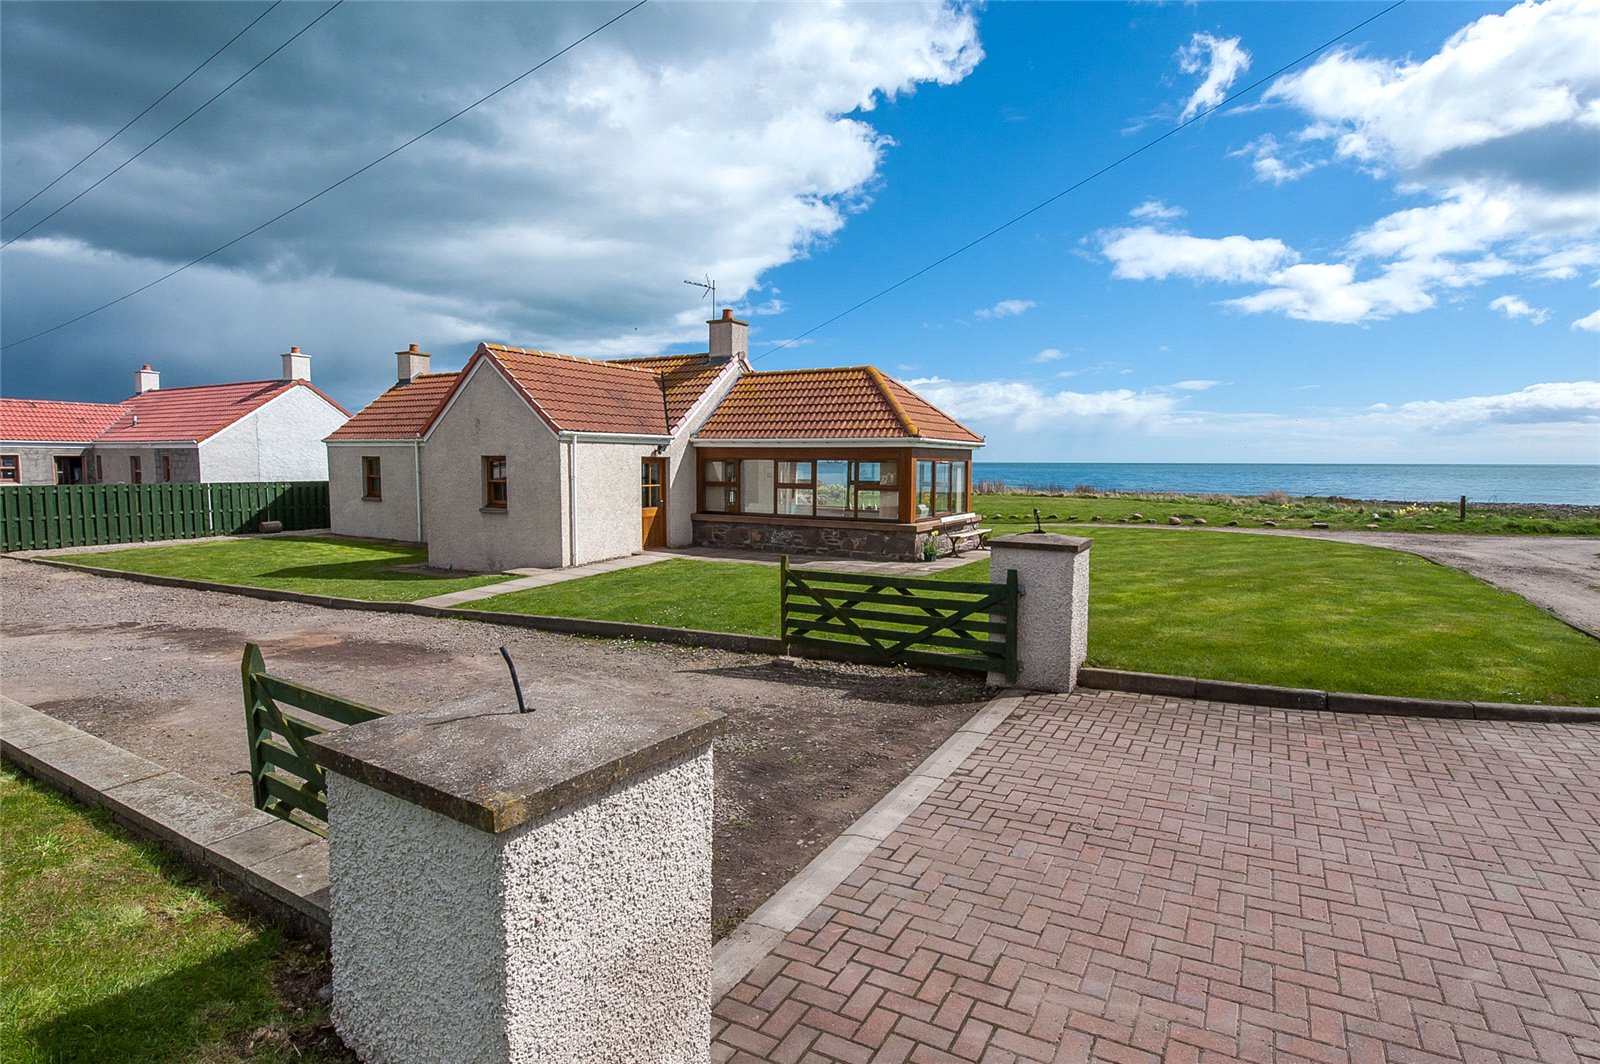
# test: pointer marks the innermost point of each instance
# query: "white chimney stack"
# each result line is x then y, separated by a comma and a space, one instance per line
296, 366
411, 364
730, 338
146, 380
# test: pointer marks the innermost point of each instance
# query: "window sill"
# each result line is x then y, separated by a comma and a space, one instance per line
372, 498
501, 510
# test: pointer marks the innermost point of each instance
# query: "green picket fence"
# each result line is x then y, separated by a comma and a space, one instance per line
80, 515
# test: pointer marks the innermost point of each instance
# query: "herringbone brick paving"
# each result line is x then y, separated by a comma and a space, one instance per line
1114, 877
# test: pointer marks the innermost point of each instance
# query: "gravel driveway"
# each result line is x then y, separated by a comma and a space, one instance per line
156, 670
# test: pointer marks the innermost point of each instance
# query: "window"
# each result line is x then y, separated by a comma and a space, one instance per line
69, 469
166, 469
756, 478
135, 474
10, 469
722, 488
832, 488
99, 469
941, 488
651, 471
494, 482
371, 477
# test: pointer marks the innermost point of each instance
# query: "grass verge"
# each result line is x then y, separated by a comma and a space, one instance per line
111, 951
1483, 519
1257, 609
318, 565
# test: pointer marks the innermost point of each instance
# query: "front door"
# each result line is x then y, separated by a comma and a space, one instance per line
653, 501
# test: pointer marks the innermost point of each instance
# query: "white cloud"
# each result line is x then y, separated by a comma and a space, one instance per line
1146, 253
1588, 323
1497, 133
1006, 308
1571, 402
1267, 159
1157, 211
1516, 307
1028, 407
1023, 421
1220, 60
1049, 354
1194, 386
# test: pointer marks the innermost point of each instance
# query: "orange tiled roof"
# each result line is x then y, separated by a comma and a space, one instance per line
195, 413
404, 412
580, 395
852, 403
49, 421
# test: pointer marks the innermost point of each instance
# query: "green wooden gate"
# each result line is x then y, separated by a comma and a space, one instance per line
902, 620
285, 778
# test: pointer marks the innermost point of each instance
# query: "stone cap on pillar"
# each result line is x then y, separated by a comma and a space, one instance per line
1043, 541
494, 771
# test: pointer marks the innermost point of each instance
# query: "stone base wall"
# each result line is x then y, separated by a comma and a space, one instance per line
896, 543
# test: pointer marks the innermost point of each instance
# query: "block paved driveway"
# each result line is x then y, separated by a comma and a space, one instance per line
1130, 878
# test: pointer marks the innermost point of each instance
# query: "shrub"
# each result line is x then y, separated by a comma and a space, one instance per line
1083, 489
1275, 497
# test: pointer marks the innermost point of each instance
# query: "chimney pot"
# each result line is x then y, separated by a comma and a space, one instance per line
294, 350
413, 347
727, 313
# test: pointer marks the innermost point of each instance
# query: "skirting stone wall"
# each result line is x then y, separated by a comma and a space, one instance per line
897, 542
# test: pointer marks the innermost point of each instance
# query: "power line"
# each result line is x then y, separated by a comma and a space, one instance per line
141, 114
173, 128
357, 173
969, 245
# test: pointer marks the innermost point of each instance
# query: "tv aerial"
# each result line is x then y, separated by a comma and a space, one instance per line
710, 288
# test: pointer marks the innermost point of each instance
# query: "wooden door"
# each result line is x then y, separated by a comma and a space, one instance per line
653, 501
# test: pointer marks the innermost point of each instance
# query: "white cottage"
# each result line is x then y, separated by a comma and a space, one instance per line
528, 458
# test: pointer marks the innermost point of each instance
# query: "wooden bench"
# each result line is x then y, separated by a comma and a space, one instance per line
968, 538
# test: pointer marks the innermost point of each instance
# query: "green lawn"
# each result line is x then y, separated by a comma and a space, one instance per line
1291, 513
319, 565
1262, 609
111, 951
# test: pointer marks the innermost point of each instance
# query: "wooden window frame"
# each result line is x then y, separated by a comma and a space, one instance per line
99, 469
166, 469
901, 460
950, 505
496, 502
372, 477
135, 470
10, 469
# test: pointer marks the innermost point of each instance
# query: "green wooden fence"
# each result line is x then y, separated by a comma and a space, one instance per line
902, 620
285, 778
80, 515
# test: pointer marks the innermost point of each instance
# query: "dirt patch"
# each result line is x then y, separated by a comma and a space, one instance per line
812, 745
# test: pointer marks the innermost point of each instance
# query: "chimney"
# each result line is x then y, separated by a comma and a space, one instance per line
296, 366
410, 364
146, 380
730, 338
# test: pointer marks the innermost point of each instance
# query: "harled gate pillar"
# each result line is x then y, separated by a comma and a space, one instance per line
522, 887
1053, 614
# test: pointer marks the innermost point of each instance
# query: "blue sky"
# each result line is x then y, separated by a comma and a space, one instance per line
1389, 254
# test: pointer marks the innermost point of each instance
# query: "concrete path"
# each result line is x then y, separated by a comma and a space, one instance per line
529, 578
1113, 877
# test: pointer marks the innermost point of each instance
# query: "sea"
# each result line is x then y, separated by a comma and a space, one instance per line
1569, 484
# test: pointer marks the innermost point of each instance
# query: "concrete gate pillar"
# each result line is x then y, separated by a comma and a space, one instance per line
1053, 615
522, 887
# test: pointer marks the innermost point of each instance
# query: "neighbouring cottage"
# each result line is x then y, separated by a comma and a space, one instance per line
268, 430
526, 458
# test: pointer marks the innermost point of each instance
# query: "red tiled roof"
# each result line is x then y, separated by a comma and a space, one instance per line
851, 403
49, 421
195, 413
404, 412
577, 395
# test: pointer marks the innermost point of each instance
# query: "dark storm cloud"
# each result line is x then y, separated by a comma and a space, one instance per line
689, 137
